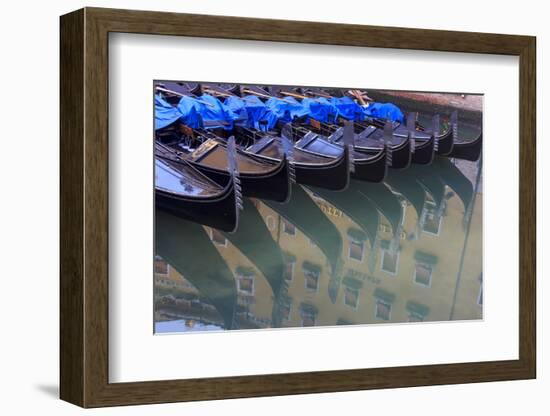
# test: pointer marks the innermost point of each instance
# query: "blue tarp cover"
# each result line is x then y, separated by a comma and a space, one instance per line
254, 113
286, 109
189, 110
321, 109
348, 108
216, 111
385, 111
165, 114
258, 116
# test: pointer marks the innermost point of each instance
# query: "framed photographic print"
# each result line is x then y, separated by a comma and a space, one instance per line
257, 207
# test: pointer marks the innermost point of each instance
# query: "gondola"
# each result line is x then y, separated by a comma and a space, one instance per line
369, 165
451, 145
310, 168
468, 149
181, 243
444, 141
260, 178
315, 161
420, 151
370, 136
423, 148
306, 215
187, 193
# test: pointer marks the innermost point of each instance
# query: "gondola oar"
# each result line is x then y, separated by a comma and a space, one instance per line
233, 169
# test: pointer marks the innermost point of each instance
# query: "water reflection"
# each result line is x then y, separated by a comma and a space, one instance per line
407, 250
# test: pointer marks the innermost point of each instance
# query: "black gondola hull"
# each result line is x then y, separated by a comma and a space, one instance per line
401, 157
274, 185
445, 143
371, 170
424, 152
219, 211
334, 175
468, 150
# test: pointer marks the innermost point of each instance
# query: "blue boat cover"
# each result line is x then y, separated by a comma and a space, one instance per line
189, 110
165, 114
215, 110
385, 111
257, 115
286, 109
253, 113
321, 109
348, 108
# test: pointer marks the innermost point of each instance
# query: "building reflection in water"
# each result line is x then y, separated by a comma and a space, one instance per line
407, 250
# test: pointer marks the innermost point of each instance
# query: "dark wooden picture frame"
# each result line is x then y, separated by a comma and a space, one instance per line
84, 207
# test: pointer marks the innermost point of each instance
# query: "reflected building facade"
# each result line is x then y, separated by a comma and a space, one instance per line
426, 266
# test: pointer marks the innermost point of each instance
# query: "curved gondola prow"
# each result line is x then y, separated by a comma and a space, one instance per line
470, 150
435, 132
411, 129
233, 169
448, 139
349, 143
424, 152
347, 164
387, 138
287, 150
